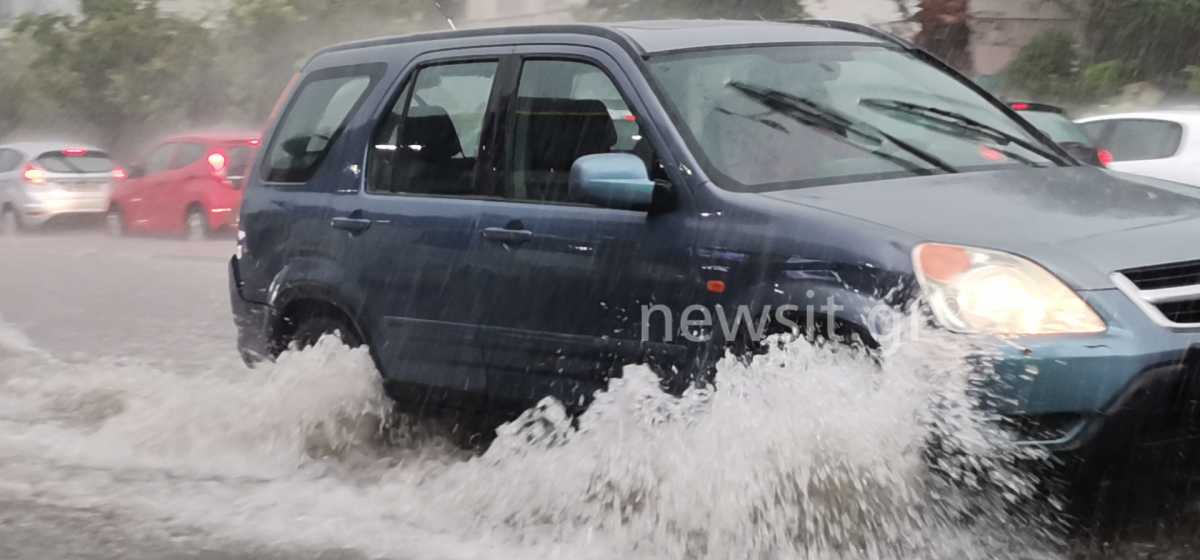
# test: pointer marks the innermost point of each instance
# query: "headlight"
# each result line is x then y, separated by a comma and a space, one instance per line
989, 292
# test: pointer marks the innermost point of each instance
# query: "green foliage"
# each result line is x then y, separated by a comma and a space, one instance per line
1193, 74
268, 40
1158, 38
126, 70
729, 9
1046, 68
116, 66
1103, 80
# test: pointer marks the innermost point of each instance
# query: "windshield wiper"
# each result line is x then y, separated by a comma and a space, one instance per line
813, 114
962, 122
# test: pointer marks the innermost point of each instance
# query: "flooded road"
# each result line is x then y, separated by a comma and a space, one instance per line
129, 428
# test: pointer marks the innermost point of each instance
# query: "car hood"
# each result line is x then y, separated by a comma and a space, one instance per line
1081, 223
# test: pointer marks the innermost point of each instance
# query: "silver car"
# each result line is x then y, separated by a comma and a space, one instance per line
46, 180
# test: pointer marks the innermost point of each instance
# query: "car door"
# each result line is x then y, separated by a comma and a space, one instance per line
1144, 146
169, 199
139, 191
568, 283
413, 225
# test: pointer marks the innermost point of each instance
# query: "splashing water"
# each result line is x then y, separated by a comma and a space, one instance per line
810, 451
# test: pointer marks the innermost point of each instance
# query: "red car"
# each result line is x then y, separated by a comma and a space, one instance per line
189, 185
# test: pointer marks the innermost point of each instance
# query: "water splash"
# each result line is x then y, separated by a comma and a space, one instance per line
810, 451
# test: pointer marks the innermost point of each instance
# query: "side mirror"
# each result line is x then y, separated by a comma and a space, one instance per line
136, 171
617, 181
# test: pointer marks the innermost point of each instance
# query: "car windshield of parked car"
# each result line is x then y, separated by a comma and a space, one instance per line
1057, 126
770, 118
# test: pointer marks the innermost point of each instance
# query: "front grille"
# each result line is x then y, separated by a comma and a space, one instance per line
1169, 293
1165, 276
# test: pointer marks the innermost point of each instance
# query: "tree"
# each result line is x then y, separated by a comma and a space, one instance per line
945, 31
266, 41
729, 9
1045, 69
116, 66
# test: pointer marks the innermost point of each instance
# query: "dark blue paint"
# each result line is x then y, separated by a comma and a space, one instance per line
454, 306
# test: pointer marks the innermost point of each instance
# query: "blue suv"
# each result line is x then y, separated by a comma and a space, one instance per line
494, 212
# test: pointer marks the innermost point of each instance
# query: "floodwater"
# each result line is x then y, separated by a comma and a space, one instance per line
129, 428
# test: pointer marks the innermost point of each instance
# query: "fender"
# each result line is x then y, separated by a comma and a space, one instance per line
319, 278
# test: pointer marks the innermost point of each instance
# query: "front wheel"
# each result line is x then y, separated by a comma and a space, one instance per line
307, 330
197, 225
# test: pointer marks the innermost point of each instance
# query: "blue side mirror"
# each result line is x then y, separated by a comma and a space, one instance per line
617, 181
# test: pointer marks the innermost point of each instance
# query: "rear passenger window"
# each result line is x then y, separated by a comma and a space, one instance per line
160, 159
566, 110
1136, 140
429, 142
315, 119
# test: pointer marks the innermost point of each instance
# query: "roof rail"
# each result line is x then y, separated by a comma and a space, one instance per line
857, 28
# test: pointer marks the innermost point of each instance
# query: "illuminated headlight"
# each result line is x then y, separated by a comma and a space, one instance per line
979, 291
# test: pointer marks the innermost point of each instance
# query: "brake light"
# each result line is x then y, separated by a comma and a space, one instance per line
1105, 156
119, 173
1020, 106
75, 152
33, 174
216, 161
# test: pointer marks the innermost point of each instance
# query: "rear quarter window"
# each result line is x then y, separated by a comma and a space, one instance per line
315, 118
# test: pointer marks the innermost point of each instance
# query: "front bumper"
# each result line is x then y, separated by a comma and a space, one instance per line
1130, 395
254, 322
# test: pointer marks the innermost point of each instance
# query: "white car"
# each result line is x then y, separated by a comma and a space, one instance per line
1160, 144
47, 180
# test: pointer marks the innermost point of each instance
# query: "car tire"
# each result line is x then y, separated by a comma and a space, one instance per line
309, 329
114, 222
10, 222
196, 224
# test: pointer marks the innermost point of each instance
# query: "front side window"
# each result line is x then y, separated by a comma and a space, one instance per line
765, 118
1142, 139
429, 143
315, 119
566, 110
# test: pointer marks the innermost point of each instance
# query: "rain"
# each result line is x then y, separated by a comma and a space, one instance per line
822, 279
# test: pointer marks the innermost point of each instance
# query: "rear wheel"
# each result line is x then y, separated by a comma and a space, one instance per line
196, 224
10, 222
114, 222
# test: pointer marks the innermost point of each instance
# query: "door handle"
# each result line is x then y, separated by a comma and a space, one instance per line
352, 225
510, 236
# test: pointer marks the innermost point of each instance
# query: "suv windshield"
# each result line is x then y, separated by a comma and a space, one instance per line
768, 118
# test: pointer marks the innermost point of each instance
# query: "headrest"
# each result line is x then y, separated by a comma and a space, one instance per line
563, 130
431, 127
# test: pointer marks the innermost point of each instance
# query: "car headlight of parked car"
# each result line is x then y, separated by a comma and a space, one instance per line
980, 291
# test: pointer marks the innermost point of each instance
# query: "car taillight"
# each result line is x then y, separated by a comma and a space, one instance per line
216, 162
75, 152
1105, 156
1020, 106
33, 174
